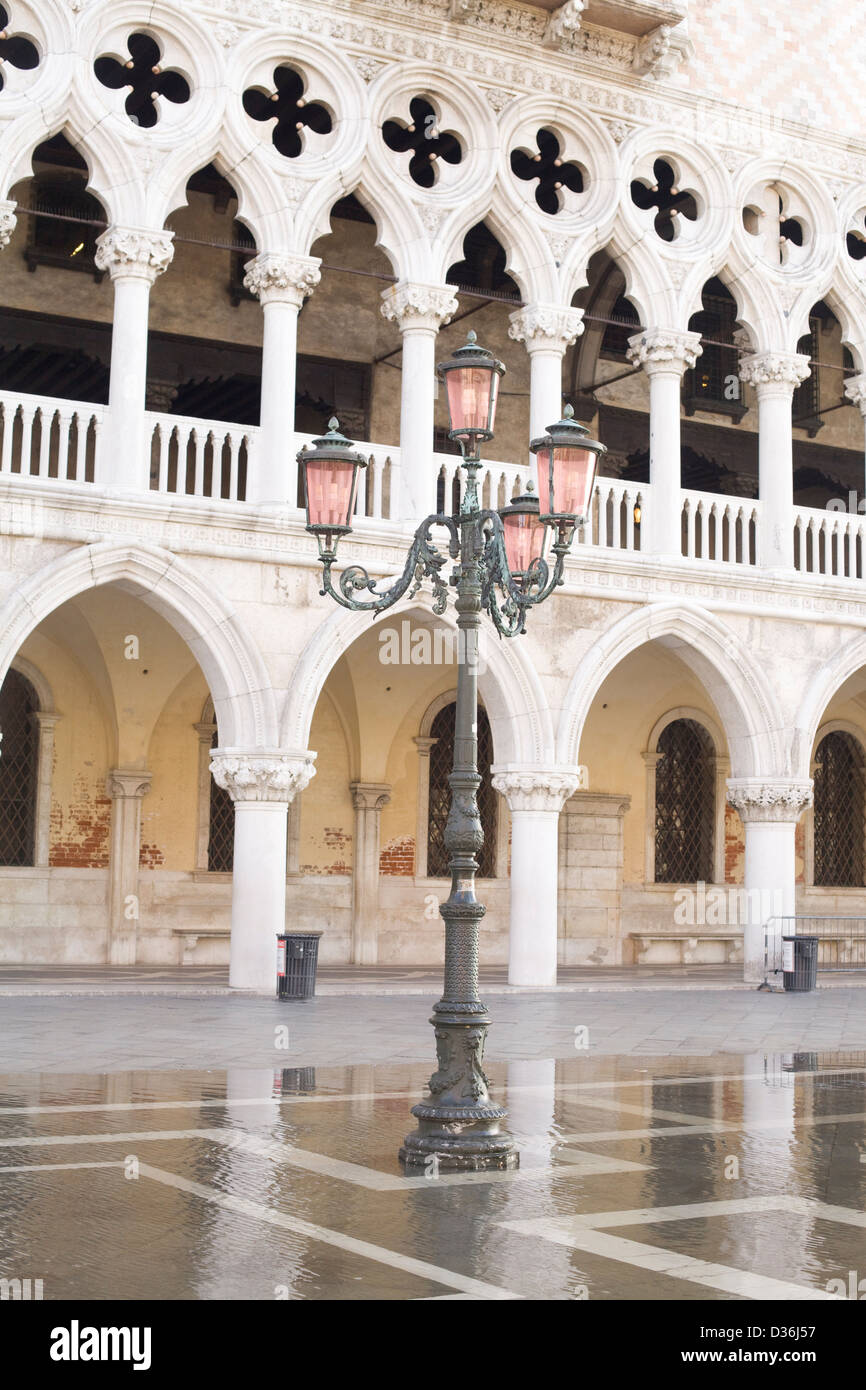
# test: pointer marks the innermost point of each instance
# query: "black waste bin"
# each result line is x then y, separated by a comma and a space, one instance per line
799, 963
297, 956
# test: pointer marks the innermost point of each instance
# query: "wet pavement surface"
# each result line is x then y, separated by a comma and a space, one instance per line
724, 1177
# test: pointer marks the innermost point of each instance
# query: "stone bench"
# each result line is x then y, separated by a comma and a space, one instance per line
189, 937
687, 944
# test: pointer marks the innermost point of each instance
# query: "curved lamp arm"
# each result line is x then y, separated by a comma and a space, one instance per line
509, 616
423, 561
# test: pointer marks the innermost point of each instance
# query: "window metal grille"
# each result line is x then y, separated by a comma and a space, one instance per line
838, 812
685, 804
622, 325
441, 760
221, 836
707, 385
18, 770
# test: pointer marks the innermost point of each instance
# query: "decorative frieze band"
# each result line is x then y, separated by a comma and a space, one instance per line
664, 350
129, 251
770, 799
280, 277
419, 306
774, 371
535, 790
262, 775
8, 221
545, 325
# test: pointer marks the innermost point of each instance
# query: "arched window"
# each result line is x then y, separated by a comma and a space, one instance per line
439, 799
221, 826
839, 812
685, 809
19, 761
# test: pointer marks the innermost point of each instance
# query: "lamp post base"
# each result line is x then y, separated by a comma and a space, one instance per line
454, 1139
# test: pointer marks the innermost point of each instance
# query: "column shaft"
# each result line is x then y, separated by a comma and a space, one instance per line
126, 789
665, 354
547, 330
368, 799
774, 376
770, 810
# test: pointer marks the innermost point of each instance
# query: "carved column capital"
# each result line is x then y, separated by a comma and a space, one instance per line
855, 390
127, 784
534, 789
277, 277
781, 799
545, 326
134, 252
8, 221
664, 350
262, 774
370, 796
774, 373
419, 306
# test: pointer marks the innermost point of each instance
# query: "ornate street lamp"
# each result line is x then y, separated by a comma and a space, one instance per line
500, 567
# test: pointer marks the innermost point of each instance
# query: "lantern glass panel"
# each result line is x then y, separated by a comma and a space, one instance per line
472, 393
573, 477
331, 488
525, 538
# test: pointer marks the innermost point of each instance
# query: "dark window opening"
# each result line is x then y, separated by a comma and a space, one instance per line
714, 383
806, 403
221, 833
18, 771
839, 812
65, 219
623, 324
439, 800
685, 804
483, 265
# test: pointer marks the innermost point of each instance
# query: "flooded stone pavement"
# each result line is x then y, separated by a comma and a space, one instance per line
725, 1177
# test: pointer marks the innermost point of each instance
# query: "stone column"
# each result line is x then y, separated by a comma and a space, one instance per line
419, 311
769, 809
8, 221
261, 784
665, 354
547, 330
535, 799
46, 724
281, 281
368, 798
855, 390
774, 376
126, 787
133, 257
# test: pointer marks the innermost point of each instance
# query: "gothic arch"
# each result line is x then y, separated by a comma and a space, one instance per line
819, 692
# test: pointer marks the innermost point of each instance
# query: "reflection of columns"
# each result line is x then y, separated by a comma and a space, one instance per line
855, 390
419, 311
368, 798
261, 784
46, 724
547, 330
535, 799
8, 221
281, 283
665, 354
769, 809
133, 258
423, 745
774, 376
126, 789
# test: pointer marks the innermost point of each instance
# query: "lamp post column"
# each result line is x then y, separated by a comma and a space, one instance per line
547, 330
133, 258
665, 354
769, 809
281, 283
261, 784
419, 311
775, 376
535, 799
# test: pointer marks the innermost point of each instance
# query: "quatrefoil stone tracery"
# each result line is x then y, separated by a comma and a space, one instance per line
421, 135
670, 201
144, 75
15, 50
779, 235
855, 239
289, 108
553, 173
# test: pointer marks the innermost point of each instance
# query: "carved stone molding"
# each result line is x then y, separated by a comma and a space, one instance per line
419, 306
564, 23
282, 278
771, 372
779, 799
133, 251
262, 775
663, 50
536, 790
127, 784
546, 326
370, 796
664, 350
8, 221
855, 390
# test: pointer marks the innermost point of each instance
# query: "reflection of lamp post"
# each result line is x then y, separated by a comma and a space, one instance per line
501, 568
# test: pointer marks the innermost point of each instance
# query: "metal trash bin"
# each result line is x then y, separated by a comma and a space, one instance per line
799, 963
297, 957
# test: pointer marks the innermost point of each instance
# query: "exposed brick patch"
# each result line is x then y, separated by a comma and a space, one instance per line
150, 857
735, 846
397, 857
80, 831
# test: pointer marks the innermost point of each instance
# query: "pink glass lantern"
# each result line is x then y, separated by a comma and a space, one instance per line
331, 473
471, 379
567, 463
525, 534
